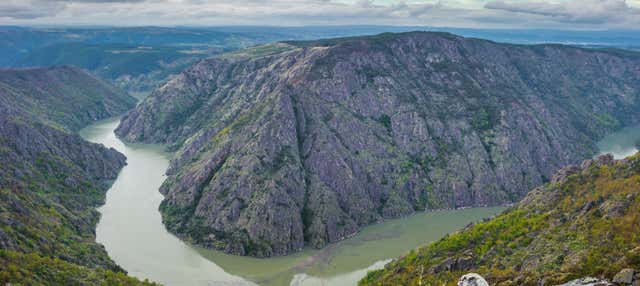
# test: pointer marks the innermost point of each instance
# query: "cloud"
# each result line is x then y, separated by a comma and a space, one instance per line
572, 11
33, 9
452, 13
29, 9
99, 1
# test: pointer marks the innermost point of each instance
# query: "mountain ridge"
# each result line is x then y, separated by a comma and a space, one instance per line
304, 146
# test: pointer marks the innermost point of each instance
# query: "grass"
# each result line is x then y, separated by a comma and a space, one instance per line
586, 226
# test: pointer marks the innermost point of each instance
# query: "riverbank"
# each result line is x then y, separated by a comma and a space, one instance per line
133, 234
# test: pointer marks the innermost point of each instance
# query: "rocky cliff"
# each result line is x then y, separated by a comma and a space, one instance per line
301, 143
583, 223
52, 180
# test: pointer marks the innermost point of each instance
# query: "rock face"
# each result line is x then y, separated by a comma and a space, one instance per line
559, 231
303, 147
51, 180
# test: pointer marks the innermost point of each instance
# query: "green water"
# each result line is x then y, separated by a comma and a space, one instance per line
342, 263
621, 144
132, 232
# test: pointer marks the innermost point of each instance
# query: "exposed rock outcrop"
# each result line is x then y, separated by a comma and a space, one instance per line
304, 146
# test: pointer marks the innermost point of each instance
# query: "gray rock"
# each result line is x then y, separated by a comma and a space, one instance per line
306, 146
588, 281
463, 263
625, 276
472, 279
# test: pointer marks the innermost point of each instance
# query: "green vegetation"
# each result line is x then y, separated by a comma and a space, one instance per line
584, 225
607, 120
51, 209
54, 96
112, 60
51, 180
258, 51
32, 269
48, 216
385, 120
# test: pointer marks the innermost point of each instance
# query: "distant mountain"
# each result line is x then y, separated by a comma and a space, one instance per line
133, 68
302, 143
138, 59
51, 180
583, 223
135, 59
18, 43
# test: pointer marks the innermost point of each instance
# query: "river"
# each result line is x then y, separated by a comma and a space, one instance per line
131, 230
621, 144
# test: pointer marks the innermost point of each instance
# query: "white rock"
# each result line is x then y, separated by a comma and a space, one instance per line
472, 279
587, 281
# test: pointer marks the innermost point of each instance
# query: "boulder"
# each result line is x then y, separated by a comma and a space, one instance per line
472, 279
624, 277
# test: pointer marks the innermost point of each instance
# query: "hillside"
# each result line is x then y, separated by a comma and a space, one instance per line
51, 180
64, 97
583, 223
302, 143
33, 269
132, 68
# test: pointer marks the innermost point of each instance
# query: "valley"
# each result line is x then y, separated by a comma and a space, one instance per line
132, 232
317, 155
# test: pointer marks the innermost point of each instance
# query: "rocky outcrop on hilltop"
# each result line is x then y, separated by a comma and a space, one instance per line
304, 146
582, 224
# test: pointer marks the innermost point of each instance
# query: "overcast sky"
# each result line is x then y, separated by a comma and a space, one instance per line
564, 14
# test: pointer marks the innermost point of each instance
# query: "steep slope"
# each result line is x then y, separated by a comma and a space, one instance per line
51, 183
305, 142
51, 180
583, 223
33, 269
65, 97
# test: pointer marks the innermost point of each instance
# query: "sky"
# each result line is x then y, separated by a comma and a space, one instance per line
552, 14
